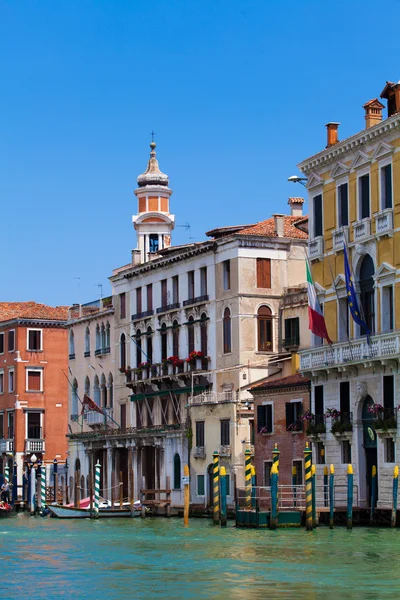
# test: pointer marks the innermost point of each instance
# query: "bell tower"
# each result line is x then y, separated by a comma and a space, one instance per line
153, 223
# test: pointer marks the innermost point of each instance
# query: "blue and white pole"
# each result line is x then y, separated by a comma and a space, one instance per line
96, 489
43, 488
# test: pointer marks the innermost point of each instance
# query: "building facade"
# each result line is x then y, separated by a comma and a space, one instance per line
354, 196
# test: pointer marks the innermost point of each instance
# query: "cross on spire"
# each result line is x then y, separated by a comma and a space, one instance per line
152, 133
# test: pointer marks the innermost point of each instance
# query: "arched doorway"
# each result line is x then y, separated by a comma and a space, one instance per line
210, 485
367, 293
369, 443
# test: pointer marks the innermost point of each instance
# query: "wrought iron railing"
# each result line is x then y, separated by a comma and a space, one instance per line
196, 300
167, 307
142, 315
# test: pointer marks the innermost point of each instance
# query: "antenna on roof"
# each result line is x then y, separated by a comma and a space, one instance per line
187, 227
79, 288
100, 285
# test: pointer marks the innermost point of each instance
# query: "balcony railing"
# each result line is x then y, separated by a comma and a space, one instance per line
6, 445
316, 248
291, 342
142, 315
96, 418
316, 425
225, 451
362, 229
87, 353
167, 307
384, 222
71, 356
34, 446
386, 419
101, 351
166, 370
382, 346
297, 425
197, 300
213, 398
339, 237
342, 423
199, 452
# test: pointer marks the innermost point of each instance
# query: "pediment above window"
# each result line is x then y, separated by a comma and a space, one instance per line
314, 180
339, 170
340, 281
385, 271
321, 291
383, 150
360, 160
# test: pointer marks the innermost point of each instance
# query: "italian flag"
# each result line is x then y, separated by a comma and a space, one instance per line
316, 321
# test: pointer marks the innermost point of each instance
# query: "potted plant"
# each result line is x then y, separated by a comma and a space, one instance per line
178, 366
171, 360
139, 374
144, 366
195, 360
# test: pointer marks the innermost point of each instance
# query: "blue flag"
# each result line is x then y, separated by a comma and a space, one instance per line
351, 296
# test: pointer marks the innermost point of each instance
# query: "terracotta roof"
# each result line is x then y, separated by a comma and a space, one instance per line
290, 381
295, 200
32, 310
267, 228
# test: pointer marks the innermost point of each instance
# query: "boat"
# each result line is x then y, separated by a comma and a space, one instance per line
5, 509
106, 510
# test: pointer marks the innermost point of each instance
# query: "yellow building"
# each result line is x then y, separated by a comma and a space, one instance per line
354, 196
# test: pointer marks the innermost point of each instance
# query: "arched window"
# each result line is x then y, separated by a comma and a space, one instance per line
71, 344
87, 386
103, 390
77, 465
98, 338
122, 352
87, 342
203, 334
175, 338
177, 472
190, 335
138, 347
149, 345
103, 337
164, 342
96, 390
74, 398
110, 391
367, 293
108, 343
227, 331
264, 318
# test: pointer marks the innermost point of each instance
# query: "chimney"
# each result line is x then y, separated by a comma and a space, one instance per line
332, 131
296, 206
136, 257
279, 221
373, 112
391, 93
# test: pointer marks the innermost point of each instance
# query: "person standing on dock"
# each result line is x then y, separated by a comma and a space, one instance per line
5, 491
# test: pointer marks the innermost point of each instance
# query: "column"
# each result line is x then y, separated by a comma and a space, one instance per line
110, 478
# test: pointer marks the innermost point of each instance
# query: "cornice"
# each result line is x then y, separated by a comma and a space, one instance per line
34, 323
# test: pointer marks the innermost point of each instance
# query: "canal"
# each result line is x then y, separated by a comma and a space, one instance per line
158, 558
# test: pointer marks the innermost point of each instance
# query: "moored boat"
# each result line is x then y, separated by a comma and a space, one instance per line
5, 509
106, 511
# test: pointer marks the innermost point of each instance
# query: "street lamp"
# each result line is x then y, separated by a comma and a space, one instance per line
297, 179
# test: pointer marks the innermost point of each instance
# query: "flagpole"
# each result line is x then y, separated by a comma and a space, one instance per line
77, 395
358, 297
340, 309
140, 348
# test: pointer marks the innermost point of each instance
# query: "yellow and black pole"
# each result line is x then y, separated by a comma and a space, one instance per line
216, 488
247, 477
307, 468
314, 496
275, 456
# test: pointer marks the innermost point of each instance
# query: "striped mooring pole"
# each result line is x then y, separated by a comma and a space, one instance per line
247, 476
96, 490
331, 496
395, 492
294, 481
307, 468
349, 496
275, 456
6, 473
314, 500
253, 487
273, 521
216, 488
373, 495
326, 485
222, 479
43, 488
14, 489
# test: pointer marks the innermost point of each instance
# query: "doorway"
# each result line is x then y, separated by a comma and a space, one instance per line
370, 445
149, 467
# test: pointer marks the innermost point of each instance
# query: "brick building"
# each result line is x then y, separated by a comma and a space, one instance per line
278, 405
33, 388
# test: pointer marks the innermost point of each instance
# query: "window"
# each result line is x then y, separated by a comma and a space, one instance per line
175, 338
203, 334
227, 331
293, 412
74, 398
34, 425
345, 402
122, 305
190, 335
98, 337
363, 197
153, 242
346, 452
226, 269
319, 404
122, 352
390, 454
139, 300
87, 342
367, 293
1, 382
110, 391
343, 319
34, 380
177, 472
191, 294
388, 393
138, 347
35, 339
343, 205
164, 293
225, 432
11, 340
175, 289
264, 418
317, 215
164, 342
203, 281
11, 380
320, 453
71, 345
292, 332
200, 434
149, 293
387, 308
96, 390
386, 188
264, 318
1, 343
298, 466
103, 391
267, 473
10, 424
123, 416
200, 485
149, 345
228, 484
87, 386
1, 425
108, 338
263, 272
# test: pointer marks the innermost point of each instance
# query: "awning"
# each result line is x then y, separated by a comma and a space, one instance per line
176, 391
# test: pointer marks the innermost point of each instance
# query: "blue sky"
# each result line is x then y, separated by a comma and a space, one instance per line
237, 91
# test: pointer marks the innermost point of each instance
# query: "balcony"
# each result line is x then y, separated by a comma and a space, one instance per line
316, 248
213, 398
386, 420
166, 307
101, 351
95, 418
142, 315
33, 445
166, 369
225, 451
291, 343
362, 229
383, 348
71, 356
87, 354
342, 423
6, 446
197, 300
199, 452
340, 237
384, 222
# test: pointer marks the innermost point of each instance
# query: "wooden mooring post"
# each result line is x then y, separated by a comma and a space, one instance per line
373, 496
395, 492
121, 491
273, 520
349, 497
331, 496
222, 479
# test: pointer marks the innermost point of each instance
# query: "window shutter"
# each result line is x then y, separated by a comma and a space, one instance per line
344, 212
318, 215
260, 417
296, 335
287, 329
268, 417
365, 212
34, 381
388, 186
263, 273
388, 391
289, 414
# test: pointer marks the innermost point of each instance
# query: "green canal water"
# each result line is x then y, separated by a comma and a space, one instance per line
158, 558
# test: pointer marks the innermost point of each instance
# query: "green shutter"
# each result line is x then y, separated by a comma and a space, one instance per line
200, 485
